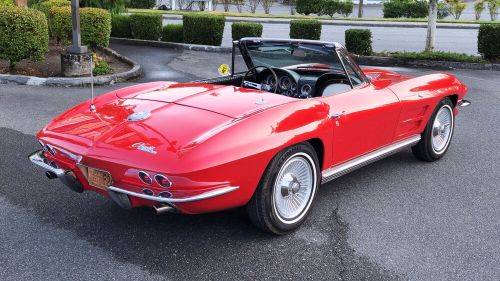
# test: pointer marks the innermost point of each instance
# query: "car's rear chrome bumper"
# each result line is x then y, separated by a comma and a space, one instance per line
39, 160
202, 196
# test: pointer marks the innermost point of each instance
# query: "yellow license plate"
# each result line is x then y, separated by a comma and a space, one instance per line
98, 178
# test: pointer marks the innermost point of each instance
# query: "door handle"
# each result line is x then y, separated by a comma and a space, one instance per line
338, 115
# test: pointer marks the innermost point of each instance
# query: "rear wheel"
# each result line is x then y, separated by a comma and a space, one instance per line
438, 133
286, 191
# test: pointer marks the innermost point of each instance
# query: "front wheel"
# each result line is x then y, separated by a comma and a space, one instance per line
286, 191
438, 133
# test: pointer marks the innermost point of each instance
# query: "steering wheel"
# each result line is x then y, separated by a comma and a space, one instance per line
259, 86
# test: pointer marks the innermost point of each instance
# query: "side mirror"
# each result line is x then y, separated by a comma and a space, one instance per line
224, 70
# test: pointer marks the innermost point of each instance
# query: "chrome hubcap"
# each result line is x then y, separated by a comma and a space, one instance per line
294, 188
442, 129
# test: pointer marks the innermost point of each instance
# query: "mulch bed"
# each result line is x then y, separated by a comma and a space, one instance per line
51, 66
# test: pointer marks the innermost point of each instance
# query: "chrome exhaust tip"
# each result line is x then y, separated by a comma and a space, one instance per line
465, 103
50, 175
158, 210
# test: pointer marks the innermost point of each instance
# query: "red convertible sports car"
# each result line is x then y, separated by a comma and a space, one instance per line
303, 114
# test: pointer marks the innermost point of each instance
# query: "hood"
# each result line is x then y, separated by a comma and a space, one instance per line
233, 102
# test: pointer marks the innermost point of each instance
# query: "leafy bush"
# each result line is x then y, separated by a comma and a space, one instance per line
203, 29
120, 26
438, 56
406, 9
146, 26
101, 66
307, 7
142, 4
246, 29
332, 7
305, 29
6, 3
359, 41
46, 6
113, 6
493, 8
443, 10
95, 26
173, 33
488, 40
24, 34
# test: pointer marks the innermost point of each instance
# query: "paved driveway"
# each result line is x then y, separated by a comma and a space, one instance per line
395, 219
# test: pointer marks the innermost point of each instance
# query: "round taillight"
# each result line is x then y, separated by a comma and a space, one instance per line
165, 194
148, 192
163, 181
145, 178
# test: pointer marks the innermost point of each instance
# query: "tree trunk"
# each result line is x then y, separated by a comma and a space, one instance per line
431, 26
22, 3
360, 9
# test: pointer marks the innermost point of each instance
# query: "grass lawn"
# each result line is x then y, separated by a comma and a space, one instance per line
250, 15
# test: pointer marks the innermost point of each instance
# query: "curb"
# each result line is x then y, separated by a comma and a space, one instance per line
135, 72
363, 60
170, 45
388, 61
344, 22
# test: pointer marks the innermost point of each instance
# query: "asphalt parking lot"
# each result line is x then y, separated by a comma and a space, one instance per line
397, 219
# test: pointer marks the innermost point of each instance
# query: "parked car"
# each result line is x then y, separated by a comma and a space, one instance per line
303, 114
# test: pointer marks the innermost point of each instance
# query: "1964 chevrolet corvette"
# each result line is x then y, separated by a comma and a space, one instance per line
303, 114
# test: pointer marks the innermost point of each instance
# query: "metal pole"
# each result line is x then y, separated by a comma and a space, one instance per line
92, 106
76, 47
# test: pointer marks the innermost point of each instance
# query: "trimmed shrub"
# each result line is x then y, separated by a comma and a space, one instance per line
173, 33
488, 40
305, 29
24, 34
307, 7
203, 29
146, 26
120, 26
95, 26
406, 9
46, 6
437, 56
6, 3
330, 7
246, 29
359, 41
142, 4
346, 8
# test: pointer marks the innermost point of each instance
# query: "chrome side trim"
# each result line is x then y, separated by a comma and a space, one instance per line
342, 169
202, 196
37, 158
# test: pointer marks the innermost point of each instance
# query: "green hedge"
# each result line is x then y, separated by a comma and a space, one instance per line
173, 33
359, 41
488, 40
120, 26
203, 29
305, 29
24, 34
141, 4
406, 9
146, 26
95, 26
246, 29
437, 56
307, 7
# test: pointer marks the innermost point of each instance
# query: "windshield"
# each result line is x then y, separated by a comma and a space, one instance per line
294, 55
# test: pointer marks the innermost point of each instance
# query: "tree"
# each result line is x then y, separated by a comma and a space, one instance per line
360, 9
22, 3
431, 25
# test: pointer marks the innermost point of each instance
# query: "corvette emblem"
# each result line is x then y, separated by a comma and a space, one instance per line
143, 147
138, 116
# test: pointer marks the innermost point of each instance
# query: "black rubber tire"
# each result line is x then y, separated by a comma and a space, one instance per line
423, 149
260, 208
